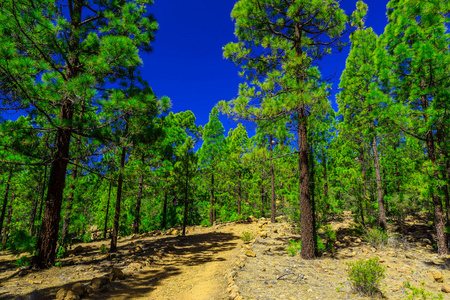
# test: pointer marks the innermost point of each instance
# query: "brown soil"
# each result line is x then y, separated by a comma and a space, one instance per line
195, 266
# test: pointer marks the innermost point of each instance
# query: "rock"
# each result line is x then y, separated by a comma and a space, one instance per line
61, 294
116, 273
430, 276
138, 249
71, 295
233, 296
78, 249
392, 254
230, 281
445, 289
250, 253
438, 276
358, 240
365, 251
79, 289
264, 234
174, 232
99, 282
351, 254
135, 266
275, 230
251, 219
233, 289
409, 256
426, 241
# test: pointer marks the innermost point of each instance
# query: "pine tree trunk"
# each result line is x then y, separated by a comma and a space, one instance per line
306, 217
325, 187
240, 195
211, 201
115, 232
273, 207
313, 198
380, 196
5, 229
69, 204
34, 210
186, 193
137, 219
5, 199
164, 216
362, 198
105, 228
52, 213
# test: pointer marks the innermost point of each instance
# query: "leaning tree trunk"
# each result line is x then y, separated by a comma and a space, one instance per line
380, 196
137, 219
105, 227
7, 223
306, 217
115, 232
5, 199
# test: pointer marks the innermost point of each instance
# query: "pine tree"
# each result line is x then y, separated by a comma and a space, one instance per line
414, 72
279, 45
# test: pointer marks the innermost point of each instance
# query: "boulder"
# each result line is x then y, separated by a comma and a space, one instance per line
438, 276
250, 253
445, 289
116, 273
78, 249
79, 289
99, 282
61, 294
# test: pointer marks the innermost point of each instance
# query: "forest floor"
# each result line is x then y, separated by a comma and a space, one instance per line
214, 263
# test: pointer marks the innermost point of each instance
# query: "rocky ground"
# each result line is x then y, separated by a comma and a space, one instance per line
214, 263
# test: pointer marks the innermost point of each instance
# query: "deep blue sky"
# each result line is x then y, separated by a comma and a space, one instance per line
187, 63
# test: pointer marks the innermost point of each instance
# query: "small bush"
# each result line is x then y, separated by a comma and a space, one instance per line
377, 237
21, 241
103, 249
294, 248
247, 236
365, 275
61, 253
24, 261
357, 229
419, 293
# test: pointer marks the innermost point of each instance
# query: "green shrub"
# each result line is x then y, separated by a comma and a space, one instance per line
357, 229
377, 237
24, 261
419, 293
247, 236
103, 249
294, 248
61, 253
365, 275
20, 242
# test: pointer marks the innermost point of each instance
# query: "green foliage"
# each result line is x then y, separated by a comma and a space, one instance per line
357, 229
365, 275
377, 237
247, 236
103, 249
413, 292
294, 248
20, 241
24, 261
61, 253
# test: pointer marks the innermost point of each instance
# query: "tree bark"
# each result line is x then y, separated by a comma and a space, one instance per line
34, 210
105, 228
8, 221
164, 220
380, 196
362, 198
137, 219
115, 232
69, 204
211, 201
186, 194
273, 207
306, 217
239, 204
38, 232
5, 199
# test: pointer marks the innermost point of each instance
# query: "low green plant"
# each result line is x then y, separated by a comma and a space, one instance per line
58, 264
357, 229
20, 242
61, 253
365, 275
294, 248
376, 237
24, 261
247, 236
330, 236
103, 249
320, 245
205, 223
413, 292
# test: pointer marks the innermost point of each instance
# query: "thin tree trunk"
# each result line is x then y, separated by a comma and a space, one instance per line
380, 196
273, 207
325, 187
69, 205
34, 210
8, 221
186, 193
262, 200
105, 228
306, 214
211, 201
164, 220
239, 195
313, 199
5, 199
137, 220
115, 232
364, 186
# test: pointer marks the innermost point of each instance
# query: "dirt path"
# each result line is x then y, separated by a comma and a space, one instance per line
162, 267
